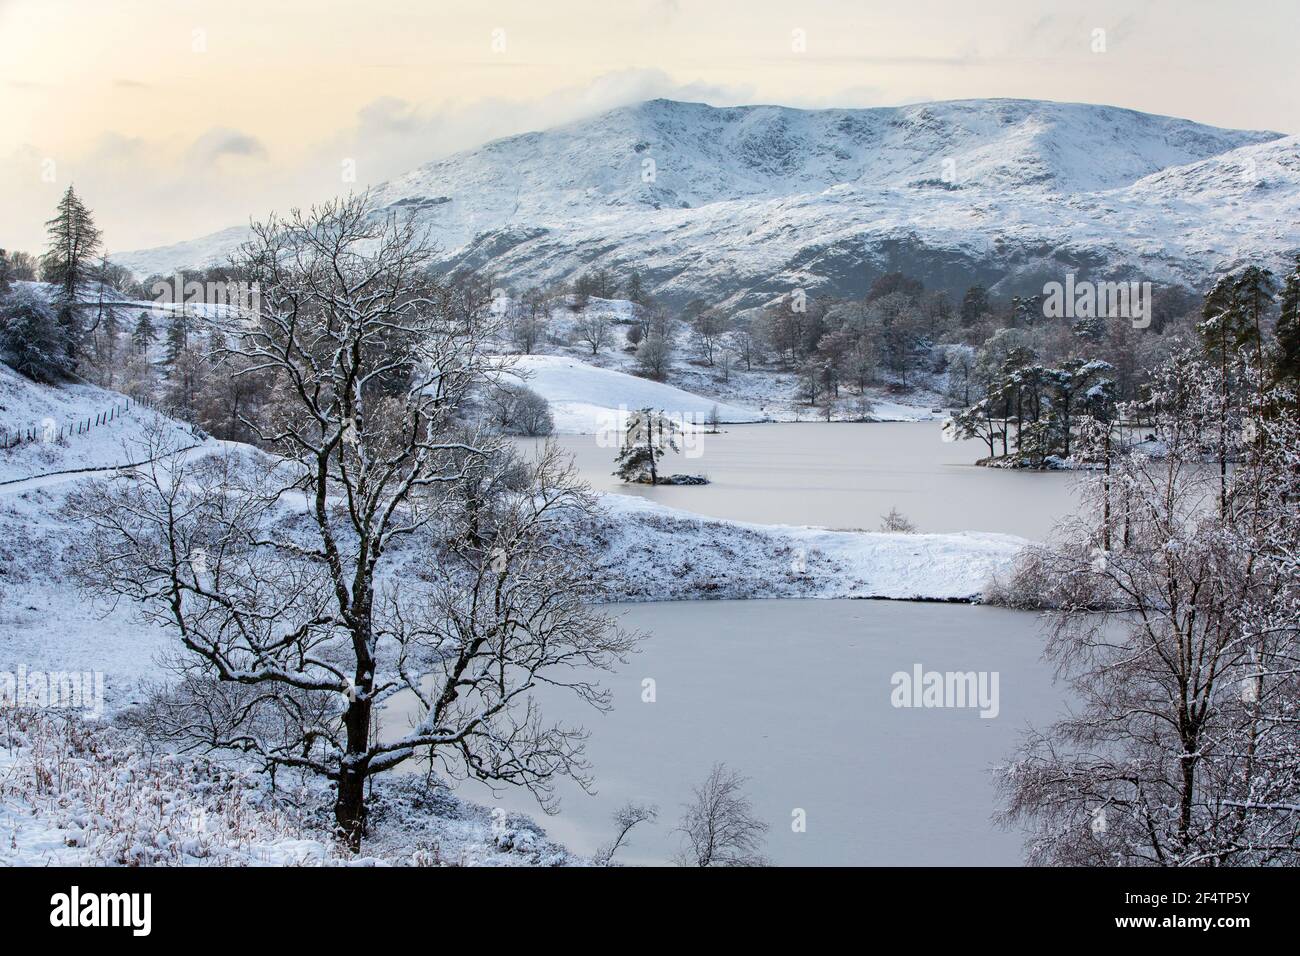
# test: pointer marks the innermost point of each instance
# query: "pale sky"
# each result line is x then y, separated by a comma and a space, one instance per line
179, 117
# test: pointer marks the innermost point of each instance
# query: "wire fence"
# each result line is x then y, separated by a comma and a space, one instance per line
52, 431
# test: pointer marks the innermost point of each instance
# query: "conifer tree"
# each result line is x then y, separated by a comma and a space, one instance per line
73, 244
648, 436
142, 335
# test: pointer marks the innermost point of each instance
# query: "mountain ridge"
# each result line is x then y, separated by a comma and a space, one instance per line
744, 203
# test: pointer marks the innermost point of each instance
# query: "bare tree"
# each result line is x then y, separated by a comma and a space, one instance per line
719, 827
1179, 631
708, 328
626, 817
281, 574
654, 355
520, 409
593, 329
527, 319
897, 522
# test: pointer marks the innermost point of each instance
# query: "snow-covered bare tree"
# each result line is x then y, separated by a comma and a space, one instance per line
708, 328
654, 355
897, 523
593, 329
718, 826
626, 818
1177, 624
517, 408
385, 555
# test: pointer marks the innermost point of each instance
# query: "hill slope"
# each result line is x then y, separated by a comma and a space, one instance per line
749, 202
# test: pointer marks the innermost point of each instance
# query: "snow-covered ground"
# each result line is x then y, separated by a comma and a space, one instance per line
585, 387
586, 400
53, 416
77, 792
656, 553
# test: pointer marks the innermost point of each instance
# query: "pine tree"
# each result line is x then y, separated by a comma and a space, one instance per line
974, 304
1286, 360
1254, 293
178, 334
635, 291
1221, 323
647, 438
142, 335
74, 241
1222, 330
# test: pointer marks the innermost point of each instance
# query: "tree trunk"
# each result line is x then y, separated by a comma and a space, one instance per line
1186, 799
1105, 496
350, 804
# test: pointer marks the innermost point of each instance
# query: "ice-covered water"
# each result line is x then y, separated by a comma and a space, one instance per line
797, 696
846, 475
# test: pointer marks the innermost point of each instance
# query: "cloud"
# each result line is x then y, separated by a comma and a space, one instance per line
220, 141
391, 136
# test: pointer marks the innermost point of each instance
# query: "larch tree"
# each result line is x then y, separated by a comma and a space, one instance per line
74, 243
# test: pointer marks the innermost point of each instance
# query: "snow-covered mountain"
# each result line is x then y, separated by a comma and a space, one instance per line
749, 202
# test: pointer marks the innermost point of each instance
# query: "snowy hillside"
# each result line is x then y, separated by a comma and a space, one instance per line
585, 399
749, 202
74, 427
585, 389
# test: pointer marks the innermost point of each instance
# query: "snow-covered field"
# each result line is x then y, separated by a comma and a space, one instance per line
586, 388
53, 416
77, 792
586, 400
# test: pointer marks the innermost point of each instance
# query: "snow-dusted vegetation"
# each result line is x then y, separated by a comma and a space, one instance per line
75, 792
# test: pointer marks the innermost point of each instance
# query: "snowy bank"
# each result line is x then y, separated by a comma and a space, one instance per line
655, 553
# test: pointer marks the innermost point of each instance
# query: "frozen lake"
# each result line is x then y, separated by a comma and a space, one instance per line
796, 695
845, 475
